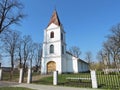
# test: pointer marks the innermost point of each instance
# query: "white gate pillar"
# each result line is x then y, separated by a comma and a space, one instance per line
94, 79
29, 78
55, 77
0, 73
21, 75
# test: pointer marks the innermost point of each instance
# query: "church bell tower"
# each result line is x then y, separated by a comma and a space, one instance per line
54, 46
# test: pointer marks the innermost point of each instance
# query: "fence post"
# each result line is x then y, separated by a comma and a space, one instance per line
21, 75
94, 79
55, 77
29, 78
0, 73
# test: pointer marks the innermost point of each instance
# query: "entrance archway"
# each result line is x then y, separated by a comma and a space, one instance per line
51, 66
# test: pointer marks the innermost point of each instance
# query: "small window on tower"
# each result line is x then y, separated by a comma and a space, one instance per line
51, 48
52, 35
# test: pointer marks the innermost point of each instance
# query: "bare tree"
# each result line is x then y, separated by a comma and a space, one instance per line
10, 13
32, 53
107, 48
19, 58
0, 54
112, 47
88, 58
101, 59
27, 41
0, 57
0, 60
75, 51
38, 55
10, 42
100, 56
23, 52
115, 38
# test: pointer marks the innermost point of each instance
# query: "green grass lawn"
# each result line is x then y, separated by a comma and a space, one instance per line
104, 81
15, 77
45, 80
14, 88
63, 81
6, 76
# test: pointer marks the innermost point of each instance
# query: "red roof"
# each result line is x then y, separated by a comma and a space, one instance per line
55, 19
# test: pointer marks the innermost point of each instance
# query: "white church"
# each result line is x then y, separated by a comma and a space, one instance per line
54, 55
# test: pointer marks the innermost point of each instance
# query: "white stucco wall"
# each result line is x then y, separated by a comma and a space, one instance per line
75, 65
69, 63
72, 63
64, 62
52, 41
57, 55
57, 60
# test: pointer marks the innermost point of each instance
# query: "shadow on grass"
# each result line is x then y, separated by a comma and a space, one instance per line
76, 84
42, 82
109, 87
71, 84
14, 88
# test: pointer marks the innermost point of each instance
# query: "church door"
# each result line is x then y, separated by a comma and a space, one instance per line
51, 66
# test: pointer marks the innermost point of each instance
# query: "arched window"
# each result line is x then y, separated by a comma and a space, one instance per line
52, 35
51, 48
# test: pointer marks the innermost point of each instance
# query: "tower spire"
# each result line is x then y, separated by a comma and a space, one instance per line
55, 19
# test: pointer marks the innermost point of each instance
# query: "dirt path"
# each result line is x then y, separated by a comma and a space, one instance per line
7, 83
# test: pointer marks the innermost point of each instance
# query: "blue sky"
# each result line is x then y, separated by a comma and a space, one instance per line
86, 22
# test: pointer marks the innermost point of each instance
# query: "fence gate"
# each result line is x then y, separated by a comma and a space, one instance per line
8, 75
75, 80
108, 81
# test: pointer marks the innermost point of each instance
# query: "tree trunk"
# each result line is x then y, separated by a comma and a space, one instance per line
12, 67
